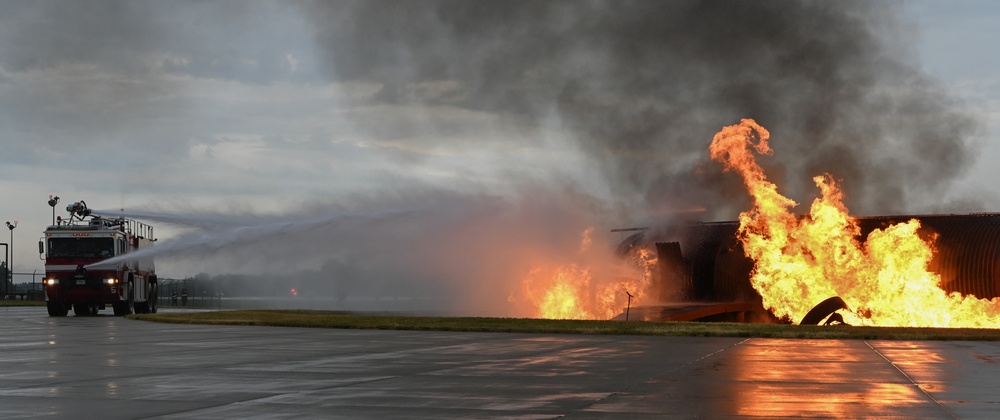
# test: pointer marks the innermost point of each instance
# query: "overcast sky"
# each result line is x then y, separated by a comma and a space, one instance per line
381, 107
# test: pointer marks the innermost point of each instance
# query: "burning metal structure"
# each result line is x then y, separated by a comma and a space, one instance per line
928, 271
778, 265
703, 267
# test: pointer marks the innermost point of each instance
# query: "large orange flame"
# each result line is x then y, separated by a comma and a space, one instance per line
801, 261
569, 291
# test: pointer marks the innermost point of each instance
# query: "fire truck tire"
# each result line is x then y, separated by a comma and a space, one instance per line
121, 308
154, 295
81, 309
57, 308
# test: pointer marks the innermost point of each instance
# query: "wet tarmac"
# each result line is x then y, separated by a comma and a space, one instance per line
112, 368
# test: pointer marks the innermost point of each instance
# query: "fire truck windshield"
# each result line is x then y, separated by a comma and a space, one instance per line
81, 247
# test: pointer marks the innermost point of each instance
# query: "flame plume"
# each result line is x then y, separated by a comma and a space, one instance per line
800, 261
572, 291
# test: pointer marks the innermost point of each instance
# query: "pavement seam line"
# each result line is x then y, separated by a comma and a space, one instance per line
678, 367
908, 378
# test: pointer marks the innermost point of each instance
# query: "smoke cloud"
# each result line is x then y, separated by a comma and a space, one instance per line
641, 87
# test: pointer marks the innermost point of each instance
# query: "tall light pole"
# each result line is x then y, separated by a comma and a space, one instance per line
53, 200
6, 265
10, 263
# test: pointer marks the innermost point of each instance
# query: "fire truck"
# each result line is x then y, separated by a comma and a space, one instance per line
87, 267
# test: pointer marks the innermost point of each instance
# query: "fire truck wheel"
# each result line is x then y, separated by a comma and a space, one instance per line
81, 309
57, 308
121, 308
154, 296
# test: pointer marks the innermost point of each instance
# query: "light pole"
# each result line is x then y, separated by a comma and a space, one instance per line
53, 200
10, 263
6, 265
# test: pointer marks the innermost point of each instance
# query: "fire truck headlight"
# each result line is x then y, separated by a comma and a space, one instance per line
110, 281
50, 282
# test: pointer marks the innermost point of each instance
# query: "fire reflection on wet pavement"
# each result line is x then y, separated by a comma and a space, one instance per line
825, 378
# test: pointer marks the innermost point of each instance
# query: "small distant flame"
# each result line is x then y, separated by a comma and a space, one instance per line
585, 242
801, 261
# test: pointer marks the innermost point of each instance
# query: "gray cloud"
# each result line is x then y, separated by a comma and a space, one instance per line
247, 41
140, 78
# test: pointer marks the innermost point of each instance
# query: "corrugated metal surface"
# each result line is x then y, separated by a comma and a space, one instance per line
732, 274
967, 249
967, 254
700, 245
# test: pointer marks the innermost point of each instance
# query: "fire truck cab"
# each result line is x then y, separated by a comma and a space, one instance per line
87, 264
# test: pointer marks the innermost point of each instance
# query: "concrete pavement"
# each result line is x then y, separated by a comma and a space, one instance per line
108, 367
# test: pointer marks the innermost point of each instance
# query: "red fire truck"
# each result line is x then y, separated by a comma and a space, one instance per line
87, 266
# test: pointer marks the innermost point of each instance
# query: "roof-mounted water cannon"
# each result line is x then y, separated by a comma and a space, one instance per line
78, 210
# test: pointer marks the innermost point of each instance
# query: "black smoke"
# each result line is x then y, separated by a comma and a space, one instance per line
643, 85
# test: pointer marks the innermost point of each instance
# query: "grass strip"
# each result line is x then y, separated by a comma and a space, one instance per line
14, 302
326, 319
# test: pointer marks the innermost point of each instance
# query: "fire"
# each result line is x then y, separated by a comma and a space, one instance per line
800, 261
570, 291
566, 296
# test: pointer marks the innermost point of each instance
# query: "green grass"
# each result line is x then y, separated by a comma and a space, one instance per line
22, 303
321, 319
